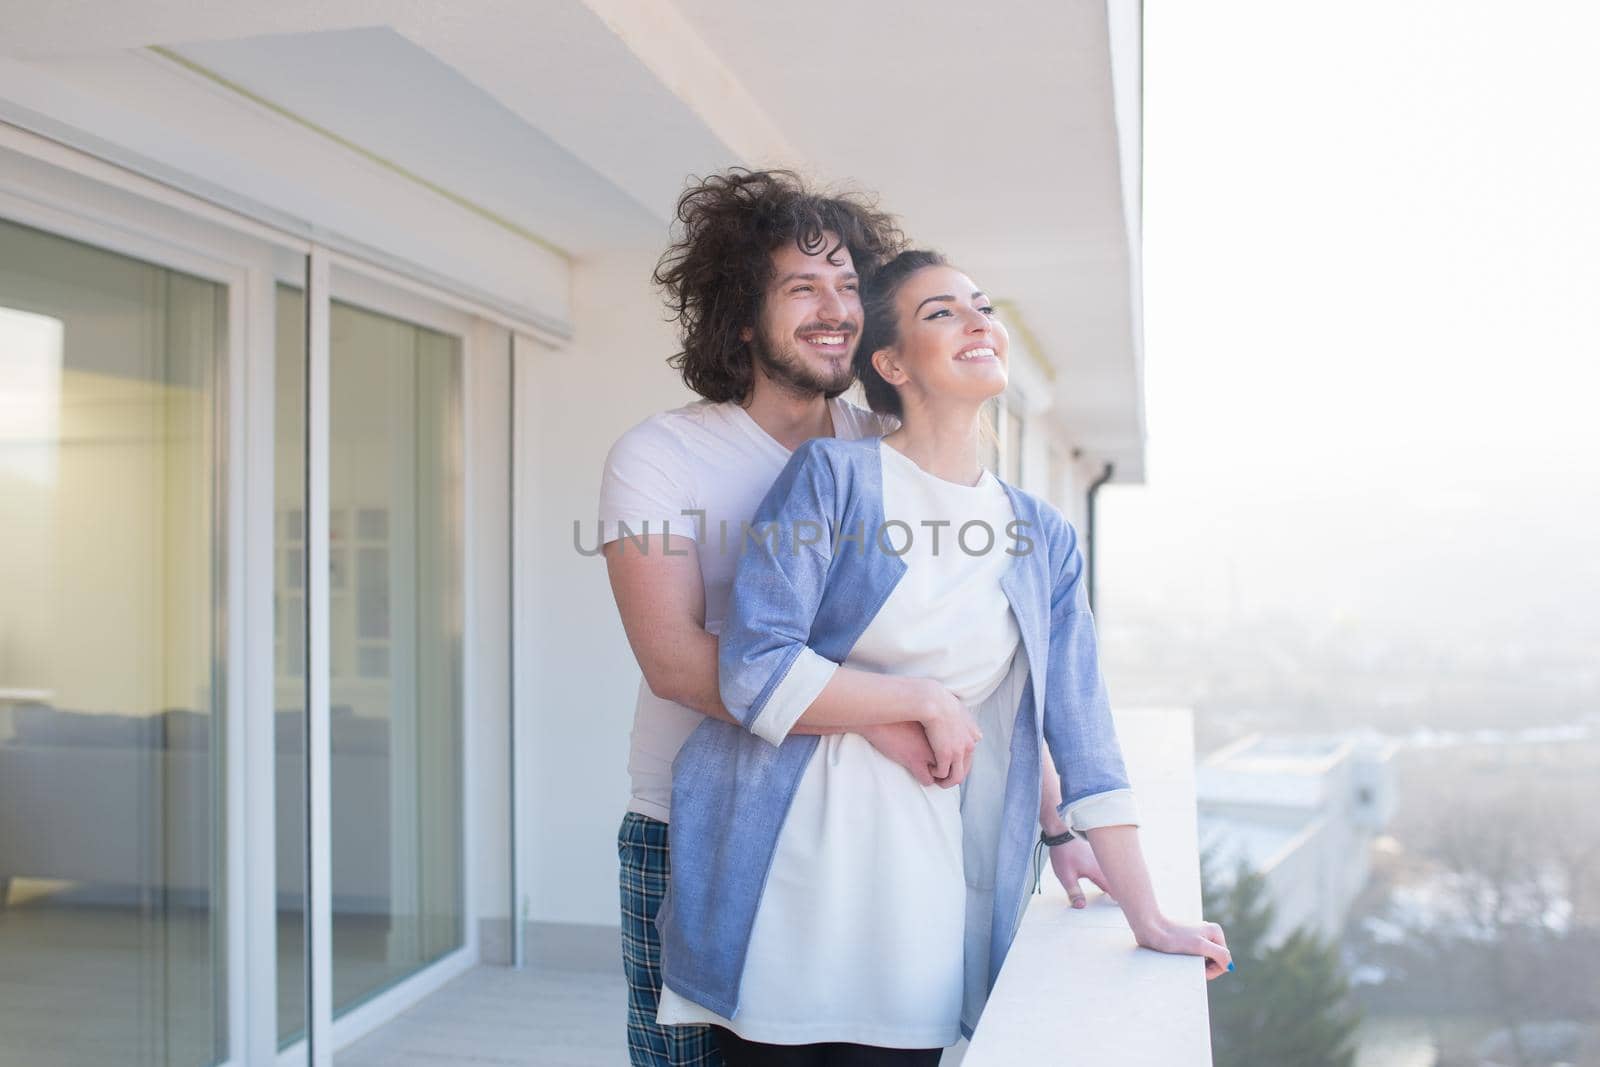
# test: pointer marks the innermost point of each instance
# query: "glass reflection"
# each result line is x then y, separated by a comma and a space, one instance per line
112, 899
395, 611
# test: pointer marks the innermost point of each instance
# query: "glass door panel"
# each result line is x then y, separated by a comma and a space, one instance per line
395, 618
112, 894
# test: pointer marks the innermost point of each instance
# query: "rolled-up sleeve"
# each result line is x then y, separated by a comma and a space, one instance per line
1077, 712
768, 675
1114, 807
805, 679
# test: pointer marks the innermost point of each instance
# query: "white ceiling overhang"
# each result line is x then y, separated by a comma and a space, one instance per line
993, 132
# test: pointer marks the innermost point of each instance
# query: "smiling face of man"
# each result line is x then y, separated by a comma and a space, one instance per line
810, 319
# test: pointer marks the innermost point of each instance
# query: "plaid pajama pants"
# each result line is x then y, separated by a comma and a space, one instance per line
642, 850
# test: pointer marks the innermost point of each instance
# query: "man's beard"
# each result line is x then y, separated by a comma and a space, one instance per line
784, 365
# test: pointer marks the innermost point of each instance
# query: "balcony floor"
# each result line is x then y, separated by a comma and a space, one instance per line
497, 1016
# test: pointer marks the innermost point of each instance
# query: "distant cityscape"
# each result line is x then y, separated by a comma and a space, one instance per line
1430, 804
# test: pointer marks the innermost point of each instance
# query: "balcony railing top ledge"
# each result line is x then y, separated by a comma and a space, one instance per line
1075, 987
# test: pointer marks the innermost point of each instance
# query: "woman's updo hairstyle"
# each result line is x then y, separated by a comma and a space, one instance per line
881, 327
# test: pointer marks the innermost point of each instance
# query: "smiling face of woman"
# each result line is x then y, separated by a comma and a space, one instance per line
949, 344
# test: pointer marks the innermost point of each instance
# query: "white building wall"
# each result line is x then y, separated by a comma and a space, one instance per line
1305, 823
1315, 881
1036, 455
612, 375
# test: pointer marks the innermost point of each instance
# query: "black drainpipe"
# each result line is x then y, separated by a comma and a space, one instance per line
1094, 542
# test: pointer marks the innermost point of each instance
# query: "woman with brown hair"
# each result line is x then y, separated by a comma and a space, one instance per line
825, 906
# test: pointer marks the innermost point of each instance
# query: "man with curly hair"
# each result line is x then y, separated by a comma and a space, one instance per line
764, 282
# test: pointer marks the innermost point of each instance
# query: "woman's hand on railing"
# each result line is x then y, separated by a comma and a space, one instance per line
1072, 862
1200, 939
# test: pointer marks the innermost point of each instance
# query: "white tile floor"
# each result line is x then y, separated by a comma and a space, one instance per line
498, 1016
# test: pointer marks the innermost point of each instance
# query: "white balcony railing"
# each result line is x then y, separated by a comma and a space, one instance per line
1076, 988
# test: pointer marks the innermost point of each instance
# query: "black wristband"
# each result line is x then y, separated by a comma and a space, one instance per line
1052, 840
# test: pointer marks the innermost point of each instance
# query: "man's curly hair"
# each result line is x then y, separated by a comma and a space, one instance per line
715, 274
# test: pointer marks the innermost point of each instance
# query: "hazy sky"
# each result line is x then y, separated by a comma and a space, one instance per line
1372, 304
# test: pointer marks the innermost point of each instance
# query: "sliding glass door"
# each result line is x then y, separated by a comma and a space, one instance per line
163, 630
395, 613
394, 589
113, 895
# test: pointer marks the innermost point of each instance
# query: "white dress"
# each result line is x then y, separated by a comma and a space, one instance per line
859, 933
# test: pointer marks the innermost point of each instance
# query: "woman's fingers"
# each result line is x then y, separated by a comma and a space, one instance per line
1217, 956
1199, 939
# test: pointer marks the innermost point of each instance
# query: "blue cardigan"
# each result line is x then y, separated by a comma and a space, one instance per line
803, 595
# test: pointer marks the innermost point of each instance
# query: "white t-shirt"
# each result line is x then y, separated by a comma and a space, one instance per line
859, 935
703, 457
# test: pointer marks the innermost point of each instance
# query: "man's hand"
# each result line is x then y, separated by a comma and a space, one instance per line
906, 743
1075, 860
